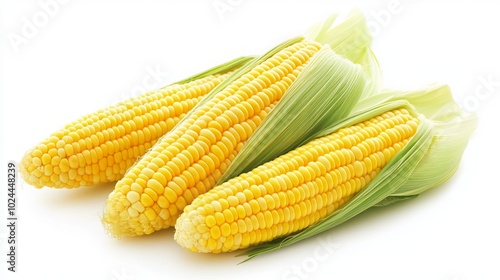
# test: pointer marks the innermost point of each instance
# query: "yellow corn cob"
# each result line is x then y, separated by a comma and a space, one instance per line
189, 160
102, 146
295, 190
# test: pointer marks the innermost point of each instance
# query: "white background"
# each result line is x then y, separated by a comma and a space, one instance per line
90, 54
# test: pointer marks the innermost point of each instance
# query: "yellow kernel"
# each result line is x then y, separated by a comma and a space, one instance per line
358, 154
215, 232
48, 170
305, 173
216, 205
215, 149
103, 163
150, 214
146, 200
64, 177
147, 172
181, 202
170, 195
46, 159
136, 187
262, 203
162, 202
268, 219
413, 125
155, 185
232, 200
68, 149
261, 220
178, 185
255, 191
228, 215
210, 221
173, 210
392, 134
209, 135
241, 211
55, 160
202, 228
133, 196
254, 206
242, 227
225, 229
368, 165
138, 206
132, 212
216, 125
387, 154
359, 169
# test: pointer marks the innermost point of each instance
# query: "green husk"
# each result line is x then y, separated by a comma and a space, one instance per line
430, 158
219, 69
349, 36
453, 128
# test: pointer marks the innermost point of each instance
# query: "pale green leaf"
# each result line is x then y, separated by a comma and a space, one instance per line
219, 69
349, 35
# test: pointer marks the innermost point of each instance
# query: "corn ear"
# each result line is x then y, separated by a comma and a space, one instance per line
100, 147
442, 134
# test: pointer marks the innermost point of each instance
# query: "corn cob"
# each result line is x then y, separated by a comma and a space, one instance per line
295, 190
190, 160
102, 146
